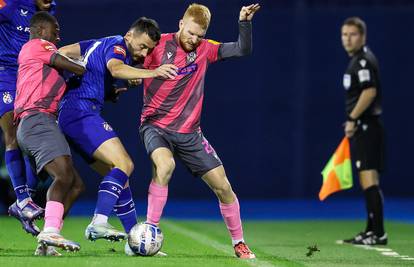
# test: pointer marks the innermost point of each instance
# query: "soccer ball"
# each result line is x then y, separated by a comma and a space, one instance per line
145, 239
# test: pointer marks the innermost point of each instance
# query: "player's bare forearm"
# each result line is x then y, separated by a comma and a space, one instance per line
64, 63
72, 51
120, 70
364, 101
125, 72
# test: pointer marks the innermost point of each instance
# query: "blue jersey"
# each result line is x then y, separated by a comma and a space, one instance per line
15, 18
97, 80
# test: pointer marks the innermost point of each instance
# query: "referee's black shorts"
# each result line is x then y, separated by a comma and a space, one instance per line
367, 145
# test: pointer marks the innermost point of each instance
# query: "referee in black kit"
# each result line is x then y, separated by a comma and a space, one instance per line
363, 126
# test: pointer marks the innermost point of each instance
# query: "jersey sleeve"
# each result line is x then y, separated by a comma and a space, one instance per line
44, 51
365, 74
213, 50
7, 7
117, 52
84, 45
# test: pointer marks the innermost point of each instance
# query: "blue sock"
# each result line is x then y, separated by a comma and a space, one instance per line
125, 209
31, 177
109, 191
14, 164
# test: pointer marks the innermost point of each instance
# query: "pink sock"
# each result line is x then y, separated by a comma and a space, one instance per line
53, 215
157, 197
231, 216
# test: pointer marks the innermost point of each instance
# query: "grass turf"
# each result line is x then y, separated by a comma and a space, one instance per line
206, 243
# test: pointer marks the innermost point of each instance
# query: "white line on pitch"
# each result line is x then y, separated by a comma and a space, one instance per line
203, 239
386, 252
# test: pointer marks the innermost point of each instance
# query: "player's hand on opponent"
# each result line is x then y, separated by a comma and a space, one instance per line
167, 71
247, 12
134, 82
350, 128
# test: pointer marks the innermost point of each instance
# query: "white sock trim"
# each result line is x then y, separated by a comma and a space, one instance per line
236, 241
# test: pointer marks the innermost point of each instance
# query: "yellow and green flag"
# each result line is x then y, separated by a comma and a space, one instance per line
337, 174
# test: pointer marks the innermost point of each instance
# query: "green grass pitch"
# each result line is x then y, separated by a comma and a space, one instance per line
206, 243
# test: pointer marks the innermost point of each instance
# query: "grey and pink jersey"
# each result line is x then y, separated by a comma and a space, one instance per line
176, 104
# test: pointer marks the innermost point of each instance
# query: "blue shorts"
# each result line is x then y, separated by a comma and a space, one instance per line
7, 95
84, 130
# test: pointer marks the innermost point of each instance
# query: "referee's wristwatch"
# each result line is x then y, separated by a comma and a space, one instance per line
350, 119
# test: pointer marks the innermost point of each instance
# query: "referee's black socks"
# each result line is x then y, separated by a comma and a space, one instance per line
374, 203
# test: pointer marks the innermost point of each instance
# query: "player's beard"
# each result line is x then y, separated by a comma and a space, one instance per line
186, 46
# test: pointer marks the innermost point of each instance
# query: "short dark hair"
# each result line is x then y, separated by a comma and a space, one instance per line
357, 22
148, 26
40, 18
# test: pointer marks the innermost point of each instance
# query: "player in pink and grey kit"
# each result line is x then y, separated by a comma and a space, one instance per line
39, 90
170, 121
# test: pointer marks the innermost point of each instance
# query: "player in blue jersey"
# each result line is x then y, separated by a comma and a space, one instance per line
15, 17
107, 59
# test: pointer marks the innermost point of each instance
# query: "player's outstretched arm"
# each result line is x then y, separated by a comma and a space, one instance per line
120, 70
63, 63
72, 51
243, 46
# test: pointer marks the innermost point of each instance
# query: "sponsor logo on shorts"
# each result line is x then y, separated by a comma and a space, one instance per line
358, 164
107, 127
7, 98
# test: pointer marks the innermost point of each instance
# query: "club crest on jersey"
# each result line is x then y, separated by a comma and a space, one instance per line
347, 81
7, 98
363, 63
107, 127
23, 12
119, 50
191, 57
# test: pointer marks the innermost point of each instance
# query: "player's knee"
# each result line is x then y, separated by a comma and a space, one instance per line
223, 189
126, 165
64, 172
165, 169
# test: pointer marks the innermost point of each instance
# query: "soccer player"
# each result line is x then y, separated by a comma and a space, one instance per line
170, 120
363, 126
107, 59
14, 32
39, 90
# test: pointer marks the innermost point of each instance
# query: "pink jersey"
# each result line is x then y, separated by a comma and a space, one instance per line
39, 86
176, 104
